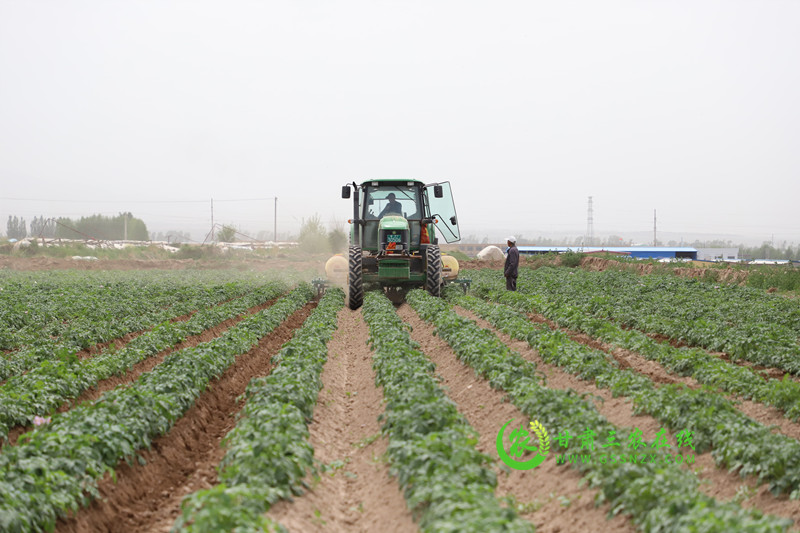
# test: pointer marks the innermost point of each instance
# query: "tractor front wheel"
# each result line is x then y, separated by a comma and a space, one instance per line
433, 270
355, 279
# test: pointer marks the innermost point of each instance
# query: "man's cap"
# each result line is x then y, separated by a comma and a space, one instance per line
511, 239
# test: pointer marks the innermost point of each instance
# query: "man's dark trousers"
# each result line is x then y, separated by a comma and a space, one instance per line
511, 283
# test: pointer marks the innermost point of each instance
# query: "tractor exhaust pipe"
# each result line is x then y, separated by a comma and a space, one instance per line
356, 222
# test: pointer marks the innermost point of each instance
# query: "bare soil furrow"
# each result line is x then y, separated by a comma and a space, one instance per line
716, 482
354, 491
141, 367
552, 496
146, 498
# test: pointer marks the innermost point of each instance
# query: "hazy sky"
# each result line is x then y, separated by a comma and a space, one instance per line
528, 108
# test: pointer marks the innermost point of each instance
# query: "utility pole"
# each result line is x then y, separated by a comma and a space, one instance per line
590, 225
125, 226
212, 220
275, 222
655, 241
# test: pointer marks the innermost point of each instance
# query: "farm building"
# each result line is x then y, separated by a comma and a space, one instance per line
638, 252
718, 254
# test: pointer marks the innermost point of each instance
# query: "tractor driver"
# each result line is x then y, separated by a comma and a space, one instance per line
393, 207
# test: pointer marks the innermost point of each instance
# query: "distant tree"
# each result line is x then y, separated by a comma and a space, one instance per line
172, 236
227, 234
313, 237
16, 228
43, 227
612, 240
104, 228
337, 240
571, 259
36, 227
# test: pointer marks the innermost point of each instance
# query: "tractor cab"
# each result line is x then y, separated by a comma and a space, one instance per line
393, 234
418, 204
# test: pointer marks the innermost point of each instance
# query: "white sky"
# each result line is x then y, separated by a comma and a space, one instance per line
691, 108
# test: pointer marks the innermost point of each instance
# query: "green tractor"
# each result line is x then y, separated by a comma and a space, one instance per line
393, 241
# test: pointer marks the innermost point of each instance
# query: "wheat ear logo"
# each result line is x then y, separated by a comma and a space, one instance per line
519, 445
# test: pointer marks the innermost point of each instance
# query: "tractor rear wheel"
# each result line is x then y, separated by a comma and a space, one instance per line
433, 270
355, 279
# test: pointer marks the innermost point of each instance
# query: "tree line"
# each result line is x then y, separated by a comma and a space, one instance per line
99, 227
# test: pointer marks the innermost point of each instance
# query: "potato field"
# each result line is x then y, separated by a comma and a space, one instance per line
230, 400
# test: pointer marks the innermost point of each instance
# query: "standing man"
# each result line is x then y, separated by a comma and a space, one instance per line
512, 264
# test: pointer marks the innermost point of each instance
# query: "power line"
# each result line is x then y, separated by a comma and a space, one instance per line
136, 201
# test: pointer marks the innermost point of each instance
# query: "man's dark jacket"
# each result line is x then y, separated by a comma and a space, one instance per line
512, 262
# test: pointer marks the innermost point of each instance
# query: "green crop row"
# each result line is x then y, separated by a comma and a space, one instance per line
737, 441
100, 311
46, 304
447, 483
55, 468
268, 452
745, 323
660, 495
47, 386
704, 367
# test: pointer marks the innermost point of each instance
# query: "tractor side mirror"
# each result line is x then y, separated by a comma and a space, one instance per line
453, 220
437, 191
346, 191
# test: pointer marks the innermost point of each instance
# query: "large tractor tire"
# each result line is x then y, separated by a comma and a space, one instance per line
433, 270
355, 279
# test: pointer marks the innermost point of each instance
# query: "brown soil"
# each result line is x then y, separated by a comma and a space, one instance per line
141, 367
361, 495
283, 262
59, 263
147, 498
597, 264
560, 501
718, 483
477, 264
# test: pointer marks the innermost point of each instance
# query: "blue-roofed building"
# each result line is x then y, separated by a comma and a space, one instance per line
638, 252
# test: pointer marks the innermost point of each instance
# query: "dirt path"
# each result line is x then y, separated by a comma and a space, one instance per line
552, 496
716, 482
357, 494
141, 367
146, 498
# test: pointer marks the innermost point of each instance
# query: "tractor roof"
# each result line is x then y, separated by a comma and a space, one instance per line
393, 181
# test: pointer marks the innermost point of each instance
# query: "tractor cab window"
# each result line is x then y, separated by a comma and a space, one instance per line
397, 200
